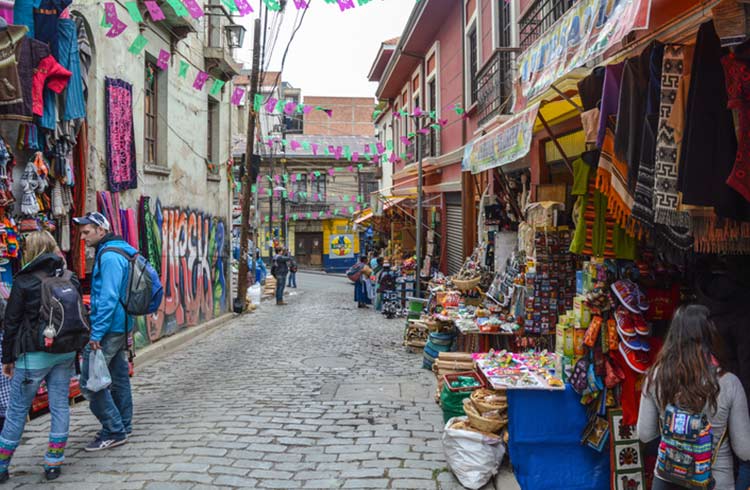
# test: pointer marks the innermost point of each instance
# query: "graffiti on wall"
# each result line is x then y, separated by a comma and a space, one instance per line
189, 249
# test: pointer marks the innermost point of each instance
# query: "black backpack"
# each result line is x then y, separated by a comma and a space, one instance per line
63, 323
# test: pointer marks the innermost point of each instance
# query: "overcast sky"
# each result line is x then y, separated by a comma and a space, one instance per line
333, 50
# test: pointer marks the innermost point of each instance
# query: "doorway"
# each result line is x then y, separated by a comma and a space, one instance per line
309, 249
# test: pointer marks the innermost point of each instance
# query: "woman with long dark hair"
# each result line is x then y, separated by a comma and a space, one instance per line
688, 375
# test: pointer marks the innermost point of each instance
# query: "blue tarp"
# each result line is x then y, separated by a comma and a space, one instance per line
544, 442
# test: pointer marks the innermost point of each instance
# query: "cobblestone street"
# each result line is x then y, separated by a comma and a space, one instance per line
316, 394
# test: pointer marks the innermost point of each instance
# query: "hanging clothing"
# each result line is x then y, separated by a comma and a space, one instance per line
737, 75
75, 105
23, 14
50, 74
610, 98
6, 11
636, 81
29, 52
46, 16
709, 146
10, 89
84, 54
590, 89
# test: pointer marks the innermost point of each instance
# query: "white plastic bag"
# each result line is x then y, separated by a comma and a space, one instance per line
474, 458
254, 293
99, 377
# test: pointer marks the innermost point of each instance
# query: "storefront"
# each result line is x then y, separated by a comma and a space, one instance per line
574, 305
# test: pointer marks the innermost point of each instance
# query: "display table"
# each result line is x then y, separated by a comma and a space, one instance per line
544, 442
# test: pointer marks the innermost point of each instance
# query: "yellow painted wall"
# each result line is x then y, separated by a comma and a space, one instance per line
338, 227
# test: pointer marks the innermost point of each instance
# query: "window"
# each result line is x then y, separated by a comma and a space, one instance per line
212, 120
472, 48
300, 186
150, 109
367, 185
318, 186
432, 106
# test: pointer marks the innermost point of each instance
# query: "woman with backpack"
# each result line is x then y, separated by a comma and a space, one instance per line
698, 409
26, 360
361, 277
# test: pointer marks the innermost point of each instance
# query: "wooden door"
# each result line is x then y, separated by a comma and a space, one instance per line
309, 249
316, 249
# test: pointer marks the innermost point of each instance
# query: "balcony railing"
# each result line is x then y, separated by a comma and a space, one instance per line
428, 144
495, 86
308, 207
539, 17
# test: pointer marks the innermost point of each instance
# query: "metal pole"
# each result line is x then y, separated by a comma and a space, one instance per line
246, 181
418, 282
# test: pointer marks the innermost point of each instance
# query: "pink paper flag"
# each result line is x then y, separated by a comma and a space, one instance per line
110, 12
346, 4
275, 193
351, 169
295, 145
292, 194
300, 4
418, 111
337, 152
367, 149
314, 147
392, 158
118, 27
258, 179
277, 178
406, 141
358, 208
328, 213
286, 218
200, 80
294, 178
290, 108
269, 143
243, 6
308, 109
381, 148
271, 104
443, 122
355, 157
196, 12
163, 61
424, 131
154, 10
354, 198
331, 172
238, 95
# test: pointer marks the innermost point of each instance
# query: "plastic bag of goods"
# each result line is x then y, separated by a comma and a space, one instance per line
254, 293
99, 377
474, 457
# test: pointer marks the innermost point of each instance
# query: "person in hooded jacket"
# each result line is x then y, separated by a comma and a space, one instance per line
110, 324
27, 366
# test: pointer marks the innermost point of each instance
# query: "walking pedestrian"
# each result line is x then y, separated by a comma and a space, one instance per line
110, 324
362, 284
29, 308
688, 383
279, 270
292, 271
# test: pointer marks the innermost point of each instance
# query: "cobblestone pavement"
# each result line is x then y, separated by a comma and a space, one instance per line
316, 394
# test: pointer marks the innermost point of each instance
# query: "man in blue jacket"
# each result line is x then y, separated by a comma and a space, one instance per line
113, 406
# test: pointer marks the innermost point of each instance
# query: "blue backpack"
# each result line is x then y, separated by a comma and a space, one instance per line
144, 292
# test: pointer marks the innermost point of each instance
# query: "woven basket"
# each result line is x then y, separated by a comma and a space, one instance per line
467, 284
483, 407
482, 423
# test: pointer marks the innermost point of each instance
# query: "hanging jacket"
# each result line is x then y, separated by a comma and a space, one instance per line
109, 281
23, 307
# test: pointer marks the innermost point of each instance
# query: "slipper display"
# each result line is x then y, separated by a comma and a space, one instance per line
624, 322
636, 343
638, 361
628, 294
640, 324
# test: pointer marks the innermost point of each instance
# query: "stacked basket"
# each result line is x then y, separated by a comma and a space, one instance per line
487, 410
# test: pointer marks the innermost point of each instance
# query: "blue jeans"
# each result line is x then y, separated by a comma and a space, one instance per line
743, 477
23, 389
292, 280
113, 406
280, 284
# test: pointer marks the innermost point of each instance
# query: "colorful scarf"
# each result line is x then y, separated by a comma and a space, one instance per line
121, 164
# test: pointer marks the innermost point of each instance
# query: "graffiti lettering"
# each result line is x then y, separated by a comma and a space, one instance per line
191, 246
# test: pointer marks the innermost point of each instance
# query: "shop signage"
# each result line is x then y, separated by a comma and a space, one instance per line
506, 144
342, 246
587, 30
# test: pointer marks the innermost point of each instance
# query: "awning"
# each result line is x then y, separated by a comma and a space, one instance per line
366, 214
505, 144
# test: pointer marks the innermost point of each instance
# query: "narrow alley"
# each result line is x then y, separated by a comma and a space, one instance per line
316, 394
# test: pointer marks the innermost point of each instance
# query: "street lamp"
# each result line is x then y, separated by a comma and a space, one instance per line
235, 35
281, 190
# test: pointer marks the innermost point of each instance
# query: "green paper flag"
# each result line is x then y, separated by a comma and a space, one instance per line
351, 209
138, 44
411, 135
360, 166
317, 174
216, 87
253, 188
436, 127
285, 142
326, 151
279, 106
257, 102
104, 21
336, 212
346, 198
347, 152
230, 5
135, 14
273, 5
178, 7
183, 68
286, 178
306, 145
309, 215
266, 219
270, 192
389, 145
339, 169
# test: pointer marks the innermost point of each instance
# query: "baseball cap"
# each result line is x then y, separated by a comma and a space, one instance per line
93, 218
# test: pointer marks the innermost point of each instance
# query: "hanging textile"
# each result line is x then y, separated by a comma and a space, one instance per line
709, 146
737, 74
23, 14
84, 54
46, 16
75, 105
610, 98
6, 11
80, 162
121, 165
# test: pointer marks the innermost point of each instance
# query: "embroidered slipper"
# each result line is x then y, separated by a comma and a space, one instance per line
631, 342
634, 359
627, 292
640, 324
642, 301
624, 322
